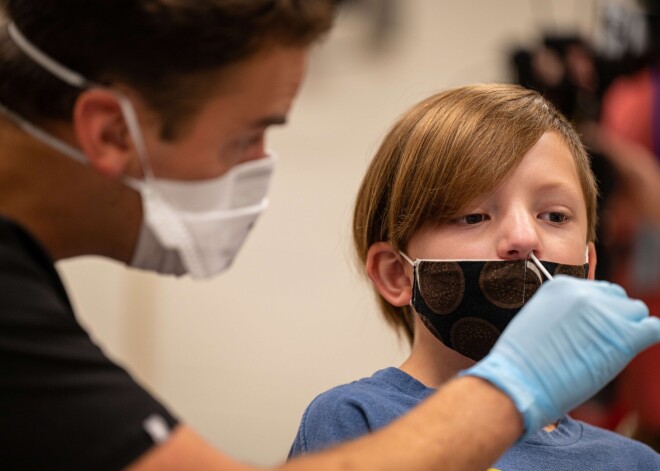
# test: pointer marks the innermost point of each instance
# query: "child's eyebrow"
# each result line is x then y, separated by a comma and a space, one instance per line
559, 187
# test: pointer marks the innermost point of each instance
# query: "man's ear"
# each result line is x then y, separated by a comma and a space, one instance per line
592, 259
101, 131
391, 276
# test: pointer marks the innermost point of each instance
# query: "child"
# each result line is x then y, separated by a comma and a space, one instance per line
469, 190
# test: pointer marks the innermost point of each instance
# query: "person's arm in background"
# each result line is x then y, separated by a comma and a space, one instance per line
625, 136
636, 166
571, 339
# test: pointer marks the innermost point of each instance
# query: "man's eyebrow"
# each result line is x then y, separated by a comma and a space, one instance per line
275, 120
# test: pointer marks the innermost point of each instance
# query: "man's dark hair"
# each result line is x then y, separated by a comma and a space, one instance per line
165, 49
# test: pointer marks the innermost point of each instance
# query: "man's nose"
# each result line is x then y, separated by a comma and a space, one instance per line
518, 236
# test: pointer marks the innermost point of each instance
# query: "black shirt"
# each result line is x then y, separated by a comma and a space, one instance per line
63, 403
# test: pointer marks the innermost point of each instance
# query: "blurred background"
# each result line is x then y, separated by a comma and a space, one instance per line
241, 356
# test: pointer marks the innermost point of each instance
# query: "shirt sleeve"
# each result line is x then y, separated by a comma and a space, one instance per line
63, 403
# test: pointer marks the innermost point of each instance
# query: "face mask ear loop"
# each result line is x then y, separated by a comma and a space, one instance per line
59, 70
45, 137
193, 259
414, 265
540, 266
134, 130
76, 80
407, 258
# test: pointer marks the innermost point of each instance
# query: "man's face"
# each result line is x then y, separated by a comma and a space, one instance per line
230, 127
540, 208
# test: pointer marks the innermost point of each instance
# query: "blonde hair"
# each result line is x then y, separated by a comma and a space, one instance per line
444, 153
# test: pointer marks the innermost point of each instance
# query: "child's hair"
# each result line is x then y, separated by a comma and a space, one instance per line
446, 152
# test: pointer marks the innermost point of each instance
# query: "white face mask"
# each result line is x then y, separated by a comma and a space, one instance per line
194, 227
198, 227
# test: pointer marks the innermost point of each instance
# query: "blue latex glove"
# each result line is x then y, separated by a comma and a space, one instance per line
570, 340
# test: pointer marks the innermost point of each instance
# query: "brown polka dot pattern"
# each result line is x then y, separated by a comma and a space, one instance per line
429, 325
473, 337
508, 285
443, 287
576, 271
466, 304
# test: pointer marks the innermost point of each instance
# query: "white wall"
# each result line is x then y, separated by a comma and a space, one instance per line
241, 356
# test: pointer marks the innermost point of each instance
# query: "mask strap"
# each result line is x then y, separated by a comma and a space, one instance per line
43, 136
407, 258
540, 266
134, 130
76, 80
48, 63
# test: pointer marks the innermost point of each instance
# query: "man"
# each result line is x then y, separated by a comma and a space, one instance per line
135, 130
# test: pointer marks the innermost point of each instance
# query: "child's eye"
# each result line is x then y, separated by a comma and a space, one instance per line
556, 217
472, 218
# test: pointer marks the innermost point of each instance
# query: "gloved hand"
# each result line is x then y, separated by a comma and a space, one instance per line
568, 341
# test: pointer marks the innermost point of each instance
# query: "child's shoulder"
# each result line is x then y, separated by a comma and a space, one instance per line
355, 392
386, 386
374, 401
354, 409
625, 449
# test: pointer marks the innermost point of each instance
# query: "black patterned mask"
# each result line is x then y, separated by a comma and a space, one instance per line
467, 304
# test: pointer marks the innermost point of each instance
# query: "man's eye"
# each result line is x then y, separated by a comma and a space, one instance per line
556, 217
472, 218
251, 140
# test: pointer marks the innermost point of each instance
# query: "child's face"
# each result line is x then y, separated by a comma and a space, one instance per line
540, 208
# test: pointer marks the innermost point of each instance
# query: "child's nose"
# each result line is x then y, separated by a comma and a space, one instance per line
518, 237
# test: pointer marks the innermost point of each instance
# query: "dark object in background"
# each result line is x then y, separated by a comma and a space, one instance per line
565, 71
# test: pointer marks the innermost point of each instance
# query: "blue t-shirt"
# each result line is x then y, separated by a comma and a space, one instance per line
355, 409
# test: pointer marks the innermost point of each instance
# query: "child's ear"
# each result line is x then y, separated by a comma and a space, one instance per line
390, 274
591, 259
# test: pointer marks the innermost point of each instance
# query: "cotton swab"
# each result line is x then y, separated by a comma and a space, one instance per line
540, 266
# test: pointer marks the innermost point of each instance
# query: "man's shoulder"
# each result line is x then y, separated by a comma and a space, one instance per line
27, 275
19, 250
